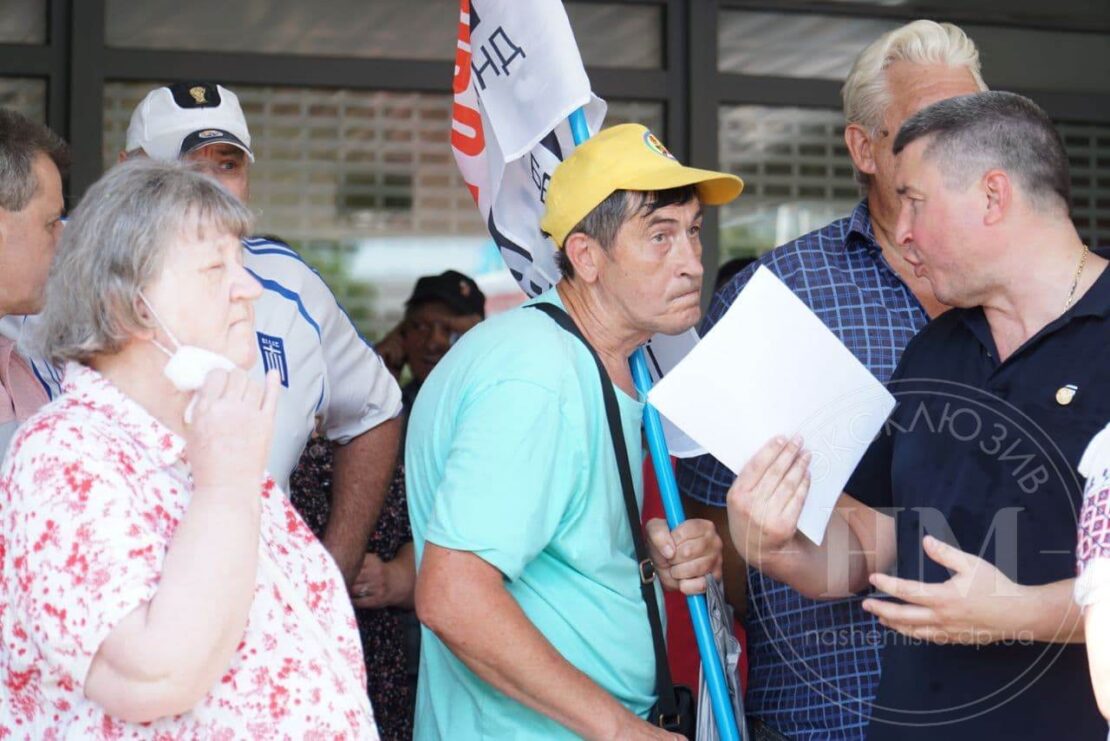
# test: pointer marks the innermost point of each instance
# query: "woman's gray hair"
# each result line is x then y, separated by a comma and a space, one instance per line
115, 245
865, 93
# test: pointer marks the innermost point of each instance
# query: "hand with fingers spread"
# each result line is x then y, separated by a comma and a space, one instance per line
228, 440
765, 501
977, 605
684, 556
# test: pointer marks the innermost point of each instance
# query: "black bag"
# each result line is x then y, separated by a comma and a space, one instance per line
674, 710
763, 732
684, 720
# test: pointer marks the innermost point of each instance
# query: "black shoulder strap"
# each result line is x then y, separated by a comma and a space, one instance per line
664, 687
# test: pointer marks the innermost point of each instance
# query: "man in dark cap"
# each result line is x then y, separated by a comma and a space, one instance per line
441, 308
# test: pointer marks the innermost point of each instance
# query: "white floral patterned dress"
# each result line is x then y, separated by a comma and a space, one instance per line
1093, 552
90, 495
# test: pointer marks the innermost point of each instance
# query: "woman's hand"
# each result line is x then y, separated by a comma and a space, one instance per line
386, 583
228, 441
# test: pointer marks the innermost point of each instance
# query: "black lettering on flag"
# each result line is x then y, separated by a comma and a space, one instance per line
505, 60
488, 65
540, 178
551, 144
518, 259
516, 50
504, 242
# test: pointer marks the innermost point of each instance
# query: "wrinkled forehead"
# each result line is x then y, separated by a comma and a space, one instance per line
913, 87
644, 207
197, 236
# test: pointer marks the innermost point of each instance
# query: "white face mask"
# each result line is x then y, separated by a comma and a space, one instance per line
189, 365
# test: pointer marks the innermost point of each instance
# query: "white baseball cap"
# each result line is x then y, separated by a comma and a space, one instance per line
172, 121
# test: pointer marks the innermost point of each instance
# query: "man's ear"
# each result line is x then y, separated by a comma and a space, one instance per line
122, 157
583, 252
861, 147
999, 191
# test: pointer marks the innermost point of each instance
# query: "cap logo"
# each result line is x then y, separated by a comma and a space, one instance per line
464, 288
653, 143
198, 94
209, 133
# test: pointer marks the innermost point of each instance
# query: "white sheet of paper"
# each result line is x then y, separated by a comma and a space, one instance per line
771, 367
664, 352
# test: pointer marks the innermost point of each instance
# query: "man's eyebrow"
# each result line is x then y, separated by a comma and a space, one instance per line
657, 218
661, 219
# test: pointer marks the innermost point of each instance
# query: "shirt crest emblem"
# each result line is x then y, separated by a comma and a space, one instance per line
273, 356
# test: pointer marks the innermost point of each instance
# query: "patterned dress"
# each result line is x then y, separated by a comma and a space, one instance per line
1093, 567
91, 494
382, 631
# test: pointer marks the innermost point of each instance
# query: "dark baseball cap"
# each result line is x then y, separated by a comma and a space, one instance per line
459, 292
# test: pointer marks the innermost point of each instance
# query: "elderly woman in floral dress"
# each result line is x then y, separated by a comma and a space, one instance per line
154, 581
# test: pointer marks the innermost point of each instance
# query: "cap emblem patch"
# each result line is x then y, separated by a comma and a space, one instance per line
210, 133
653, 143
198, 94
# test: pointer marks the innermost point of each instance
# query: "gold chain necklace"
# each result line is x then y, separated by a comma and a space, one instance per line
1075, 280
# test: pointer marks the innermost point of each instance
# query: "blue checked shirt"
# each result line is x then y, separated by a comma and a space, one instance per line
814, 665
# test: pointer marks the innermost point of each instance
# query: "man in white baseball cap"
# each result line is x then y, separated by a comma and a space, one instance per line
331, 375
174, 121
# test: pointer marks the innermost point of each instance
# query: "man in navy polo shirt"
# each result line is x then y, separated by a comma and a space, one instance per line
970, 494
814, 665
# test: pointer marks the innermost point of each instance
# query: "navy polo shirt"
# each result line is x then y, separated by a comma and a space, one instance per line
983, 455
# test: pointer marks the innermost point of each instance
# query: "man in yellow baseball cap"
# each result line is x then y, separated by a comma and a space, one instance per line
625, 157
529, 585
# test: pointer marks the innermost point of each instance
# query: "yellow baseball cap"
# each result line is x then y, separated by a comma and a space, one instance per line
625, 157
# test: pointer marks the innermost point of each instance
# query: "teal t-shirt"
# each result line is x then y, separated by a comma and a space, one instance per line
509, 457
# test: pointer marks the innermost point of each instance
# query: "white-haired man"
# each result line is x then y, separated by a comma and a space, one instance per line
814, 666
330, 374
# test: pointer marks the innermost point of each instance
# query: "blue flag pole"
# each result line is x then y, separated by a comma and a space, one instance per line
672, 506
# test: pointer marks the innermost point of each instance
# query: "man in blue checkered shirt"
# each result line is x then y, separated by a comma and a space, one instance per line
814, 665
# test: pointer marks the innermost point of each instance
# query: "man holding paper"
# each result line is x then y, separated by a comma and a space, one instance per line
970, 493
536, 621
823, 657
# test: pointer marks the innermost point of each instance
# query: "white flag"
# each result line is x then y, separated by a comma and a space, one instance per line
518, 77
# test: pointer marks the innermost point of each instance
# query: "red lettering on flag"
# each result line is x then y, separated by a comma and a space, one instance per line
465, 118
462, 50
469, 144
